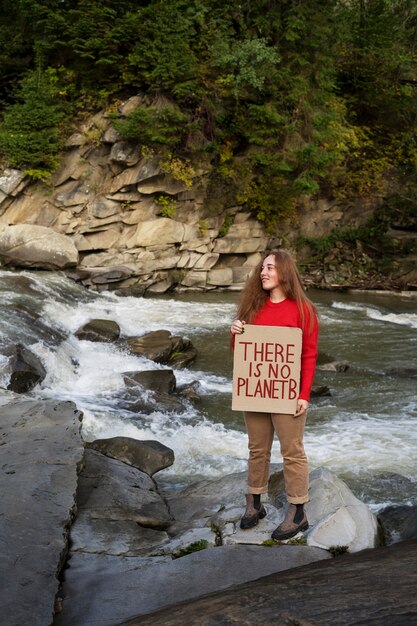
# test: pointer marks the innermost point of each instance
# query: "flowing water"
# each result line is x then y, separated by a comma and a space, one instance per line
365, 432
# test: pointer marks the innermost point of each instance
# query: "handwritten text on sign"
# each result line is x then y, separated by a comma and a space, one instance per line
266, 369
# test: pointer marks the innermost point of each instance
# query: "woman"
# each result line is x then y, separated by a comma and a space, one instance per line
274, 296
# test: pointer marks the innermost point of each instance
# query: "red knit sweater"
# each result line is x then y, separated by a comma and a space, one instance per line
286, 313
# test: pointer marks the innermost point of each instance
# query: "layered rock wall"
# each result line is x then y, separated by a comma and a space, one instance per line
120, 216
106, 199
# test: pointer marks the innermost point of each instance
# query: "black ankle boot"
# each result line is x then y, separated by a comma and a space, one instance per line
252, 514
294, 522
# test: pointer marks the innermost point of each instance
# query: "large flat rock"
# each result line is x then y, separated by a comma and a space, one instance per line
41, 451
375, 587
106, 590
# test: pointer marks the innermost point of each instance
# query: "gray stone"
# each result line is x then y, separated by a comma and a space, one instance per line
111, 136
162, 380
234, 245
113, 274
41, 449
398, 523
190, 391
156, 232
66, 191
99, 330
10, 180
240, 274
319, 391
162, 184
147, 168
373, 587
327, 363
183, 357
148, 456
140, 401
101, 240
112, 490
228, 521
162, 347
221, 277
113, 537
161, 286
103, 207
202, 538
207, 261
336, 516
125, 152
28, 245
119, 511
130, 105
195, 279
76, 140
102, 259
27, 370
105, 590
139, 212
79, 199
156, 345
206, 498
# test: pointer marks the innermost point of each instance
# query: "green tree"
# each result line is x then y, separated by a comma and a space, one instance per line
29, 132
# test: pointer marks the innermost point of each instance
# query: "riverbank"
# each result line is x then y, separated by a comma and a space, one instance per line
132, 549
123, 524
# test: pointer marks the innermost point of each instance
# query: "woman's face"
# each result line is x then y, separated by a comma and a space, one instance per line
269, 274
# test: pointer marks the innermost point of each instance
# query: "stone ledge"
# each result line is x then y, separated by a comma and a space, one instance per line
42, 451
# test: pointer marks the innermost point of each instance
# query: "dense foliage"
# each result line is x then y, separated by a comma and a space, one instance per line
285, 97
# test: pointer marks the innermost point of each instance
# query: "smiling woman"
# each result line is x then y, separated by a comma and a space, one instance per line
274, 296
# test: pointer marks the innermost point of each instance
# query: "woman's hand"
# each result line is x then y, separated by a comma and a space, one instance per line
237, 327
302, 406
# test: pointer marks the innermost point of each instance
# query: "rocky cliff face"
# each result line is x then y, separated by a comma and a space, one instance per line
137, 227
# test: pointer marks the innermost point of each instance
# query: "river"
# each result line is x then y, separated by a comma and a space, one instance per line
365, 432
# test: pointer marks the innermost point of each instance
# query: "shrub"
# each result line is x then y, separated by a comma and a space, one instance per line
164, 125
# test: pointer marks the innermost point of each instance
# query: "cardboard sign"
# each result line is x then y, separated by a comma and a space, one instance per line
266, 369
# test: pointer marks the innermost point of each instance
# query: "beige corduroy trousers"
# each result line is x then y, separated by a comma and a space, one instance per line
261, 428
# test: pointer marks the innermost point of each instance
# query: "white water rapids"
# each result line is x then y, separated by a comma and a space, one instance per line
365, 430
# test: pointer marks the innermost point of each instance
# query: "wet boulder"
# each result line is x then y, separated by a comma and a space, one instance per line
327, 363
320, 391
148, 456
398, 523
27, 370
190, 391
163, 381
149, 391
99, 330
162, 347
119, 510
139, 400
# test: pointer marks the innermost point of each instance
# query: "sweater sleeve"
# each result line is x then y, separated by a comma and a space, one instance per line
308, 356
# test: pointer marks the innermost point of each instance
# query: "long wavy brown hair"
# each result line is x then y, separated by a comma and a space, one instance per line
253, 296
